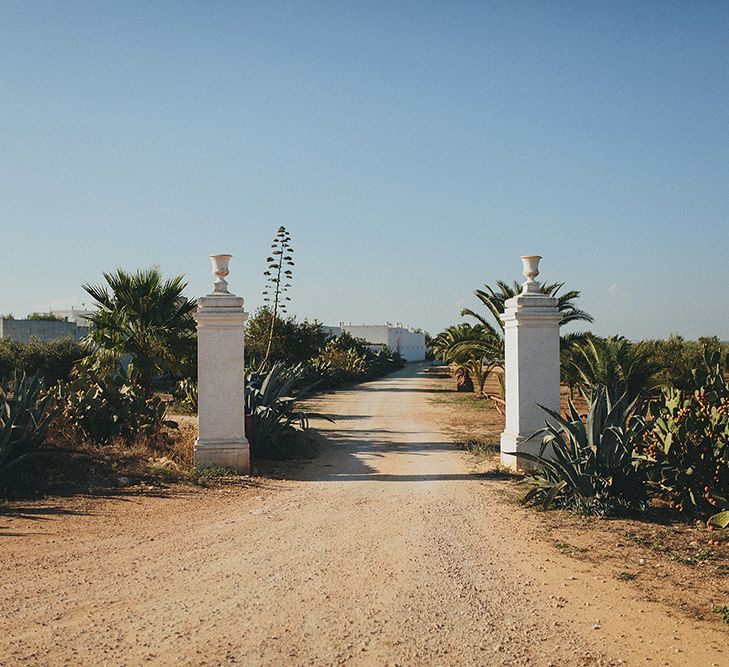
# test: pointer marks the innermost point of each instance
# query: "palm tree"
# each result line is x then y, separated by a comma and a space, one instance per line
570, 346
472, 350
614, 363
495, 300
143, 316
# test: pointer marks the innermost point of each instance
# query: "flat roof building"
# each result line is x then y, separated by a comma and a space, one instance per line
408, 343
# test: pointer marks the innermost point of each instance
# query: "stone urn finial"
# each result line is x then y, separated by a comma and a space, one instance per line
220, 271
530, 272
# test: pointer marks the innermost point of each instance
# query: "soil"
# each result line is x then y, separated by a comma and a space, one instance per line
391, 547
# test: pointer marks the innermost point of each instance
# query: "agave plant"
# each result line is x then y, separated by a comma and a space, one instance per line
278, 274
278, 426
25, 413
590, 466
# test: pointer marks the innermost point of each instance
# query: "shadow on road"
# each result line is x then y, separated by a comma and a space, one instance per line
345, 455
409, 390
355, 446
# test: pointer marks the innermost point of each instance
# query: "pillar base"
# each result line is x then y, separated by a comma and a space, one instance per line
235, 455
516, 444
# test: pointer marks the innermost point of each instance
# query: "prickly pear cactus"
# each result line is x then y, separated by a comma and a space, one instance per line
686, 452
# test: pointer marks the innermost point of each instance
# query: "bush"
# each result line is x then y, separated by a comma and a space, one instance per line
346, 359
52, 360
46, 317
591, 468
293, 342
10, 358
686, 453
99, 407
339, 366
24, 416
385, 361
676, 359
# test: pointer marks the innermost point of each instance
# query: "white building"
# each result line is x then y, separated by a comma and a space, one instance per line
80, 317
21, 331
72, 323
409, 344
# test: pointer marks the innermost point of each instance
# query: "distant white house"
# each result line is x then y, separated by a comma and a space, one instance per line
408, 343
80, 317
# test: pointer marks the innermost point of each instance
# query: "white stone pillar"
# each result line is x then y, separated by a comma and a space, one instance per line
220, 320
531, 341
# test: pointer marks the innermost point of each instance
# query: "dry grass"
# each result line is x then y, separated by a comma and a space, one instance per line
183, 443
472, 421
68, 466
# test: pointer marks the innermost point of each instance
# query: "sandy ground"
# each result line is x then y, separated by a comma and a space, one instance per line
388, 549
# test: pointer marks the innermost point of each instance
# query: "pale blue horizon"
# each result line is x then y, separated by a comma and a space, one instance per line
413, 150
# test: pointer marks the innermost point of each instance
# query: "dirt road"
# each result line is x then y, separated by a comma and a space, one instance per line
387, 550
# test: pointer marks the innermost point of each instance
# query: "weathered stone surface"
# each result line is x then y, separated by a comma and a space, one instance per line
531, 340
221, 376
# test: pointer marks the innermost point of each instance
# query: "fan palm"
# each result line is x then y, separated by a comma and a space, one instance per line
145, 317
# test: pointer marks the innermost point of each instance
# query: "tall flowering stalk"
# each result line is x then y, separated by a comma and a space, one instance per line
278, 273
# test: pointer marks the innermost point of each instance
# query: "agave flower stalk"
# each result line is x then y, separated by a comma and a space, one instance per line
278, 273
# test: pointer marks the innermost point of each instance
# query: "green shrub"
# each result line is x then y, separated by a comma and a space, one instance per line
46, 317
52, 360
676, 359
339, 366
384, 361
686, 453
590, 468
293, 341
10, 358
25, 412
334, 361
102, 406
346, 359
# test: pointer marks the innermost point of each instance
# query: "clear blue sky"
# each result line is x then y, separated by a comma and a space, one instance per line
414, 150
